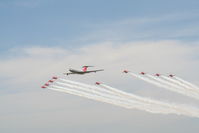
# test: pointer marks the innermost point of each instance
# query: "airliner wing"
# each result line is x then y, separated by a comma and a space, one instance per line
69, 73
95, 70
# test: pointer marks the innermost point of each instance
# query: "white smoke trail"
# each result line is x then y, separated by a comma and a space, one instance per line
108, 100
147, 106
89, 96
114, 95
85, 85
180, 110
186, 83
175, 88
132, 96
148, 80
151, 81
88, 88
96, 91
111, 91
152, 106
167, 85
175, 81
142, 106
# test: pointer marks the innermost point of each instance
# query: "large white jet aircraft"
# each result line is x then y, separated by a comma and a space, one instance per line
83, 71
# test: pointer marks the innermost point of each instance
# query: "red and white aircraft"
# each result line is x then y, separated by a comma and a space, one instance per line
49, 82
171, 75
54, 77
97, 83
83, 71
157, 74
143, 73
125, 71
43, 87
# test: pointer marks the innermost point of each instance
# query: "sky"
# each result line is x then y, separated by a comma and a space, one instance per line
42, 38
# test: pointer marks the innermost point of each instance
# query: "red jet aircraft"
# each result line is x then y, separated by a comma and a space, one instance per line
97, 83
157, 74
143, 73
171, 75
43, 87
125, 71
49, 82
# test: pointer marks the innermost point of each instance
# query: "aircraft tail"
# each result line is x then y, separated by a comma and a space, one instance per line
84, 68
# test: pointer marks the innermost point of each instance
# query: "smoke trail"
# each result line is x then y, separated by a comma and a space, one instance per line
86, 85
131, 105
105, 100
95, 92
129, 95
180, 110
152, 81
139, 104
111, 91
147, 106
186, 83
175, 88
167, 85
148, 80
150, 106
175, 81
89, 96
142, 106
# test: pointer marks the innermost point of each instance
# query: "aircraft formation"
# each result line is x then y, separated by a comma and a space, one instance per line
107, 94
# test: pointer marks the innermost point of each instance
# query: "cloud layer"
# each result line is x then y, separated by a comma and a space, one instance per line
28, 68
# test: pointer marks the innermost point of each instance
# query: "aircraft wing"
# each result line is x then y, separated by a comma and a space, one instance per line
69, 73
95, 70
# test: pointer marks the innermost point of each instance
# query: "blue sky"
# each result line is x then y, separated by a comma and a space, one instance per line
41, 38
64, 22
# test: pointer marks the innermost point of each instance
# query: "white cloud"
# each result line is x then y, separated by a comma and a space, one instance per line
37, 63
41, 108
40, 52
179, 26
